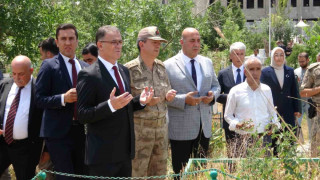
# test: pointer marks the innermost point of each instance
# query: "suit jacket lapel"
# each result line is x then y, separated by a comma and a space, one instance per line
203, 71
230, 76
125, 79
286, 76
180, 63
107, 76
274, 78
6, 91
32, 104
64, 70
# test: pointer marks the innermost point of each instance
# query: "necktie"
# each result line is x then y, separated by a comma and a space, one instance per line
193, 72
120, 85
11, 116
238, 81
74, 84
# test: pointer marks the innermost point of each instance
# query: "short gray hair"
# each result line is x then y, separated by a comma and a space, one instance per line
237, 46
250, 60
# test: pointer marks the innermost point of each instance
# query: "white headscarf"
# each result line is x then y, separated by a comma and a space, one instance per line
278, 69
273, 64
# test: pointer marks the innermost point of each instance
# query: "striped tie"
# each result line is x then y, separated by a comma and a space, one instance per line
11, 116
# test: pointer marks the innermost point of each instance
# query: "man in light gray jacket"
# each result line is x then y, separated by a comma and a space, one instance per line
190, 114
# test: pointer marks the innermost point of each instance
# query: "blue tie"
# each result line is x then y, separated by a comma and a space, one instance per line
238, 81
194, 73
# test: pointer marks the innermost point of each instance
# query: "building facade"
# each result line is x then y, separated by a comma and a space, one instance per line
255, 10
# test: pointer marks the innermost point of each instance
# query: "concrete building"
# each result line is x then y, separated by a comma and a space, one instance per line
255, 10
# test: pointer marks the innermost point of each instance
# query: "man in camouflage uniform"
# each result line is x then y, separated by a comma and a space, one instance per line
311, 88
150, 123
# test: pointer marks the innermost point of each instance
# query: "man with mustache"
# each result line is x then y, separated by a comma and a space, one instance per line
303, 59
20, 121
150, 123
190, 114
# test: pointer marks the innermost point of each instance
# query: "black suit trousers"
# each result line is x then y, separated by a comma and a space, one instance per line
24, 156
181, 151
118, 169
67, 154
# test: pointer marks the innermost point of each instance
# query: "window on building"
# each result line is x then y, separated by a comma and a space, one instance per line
294, 3
250, 4
316, 2
241, 3
260, 3
306, 3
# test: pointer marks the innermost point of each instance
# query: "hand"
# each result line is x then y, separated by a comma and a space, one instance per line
192, 101
154, 101
120, 101
244, 125
146, 95
1, 131
71, 96
170, 95
269, 132
207, 99
297, 114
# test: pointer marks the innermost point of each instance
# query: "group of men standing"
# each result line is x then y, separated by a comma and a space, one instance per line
115, 120
69, 93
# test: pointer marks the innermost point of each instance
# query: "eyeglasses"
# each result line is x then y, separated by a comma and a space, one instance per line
114, 43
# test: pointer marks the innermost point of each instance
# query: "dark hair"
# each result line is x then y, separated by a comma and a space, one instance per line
138, 44
304, 54
49, 45
102, 31
90, 48
65, 27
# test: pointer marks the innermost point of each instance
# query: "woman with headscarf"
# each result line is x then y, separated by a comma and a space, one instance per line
281, 79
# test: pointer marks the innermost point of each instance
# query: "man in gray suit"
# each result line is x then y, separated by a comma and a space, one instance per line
194, 79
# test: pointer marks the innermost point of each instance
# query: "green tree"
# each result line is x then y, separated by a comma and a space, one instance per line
224, 18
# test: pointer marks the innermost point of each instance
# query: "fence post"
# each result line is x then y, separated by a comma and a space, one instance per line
214, 175
40, 176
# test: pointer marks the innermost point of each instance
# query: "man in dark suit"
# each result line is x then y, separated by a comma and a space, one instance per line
1, 75
229, 77
106, 105
48, 48
56, 93
20, 120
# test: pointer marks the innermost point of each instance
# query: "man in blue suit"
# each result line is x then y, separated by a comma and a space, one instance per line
56, 93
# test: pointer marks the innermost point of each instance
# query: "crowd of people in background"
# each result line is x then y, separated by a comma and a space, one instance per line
99, 117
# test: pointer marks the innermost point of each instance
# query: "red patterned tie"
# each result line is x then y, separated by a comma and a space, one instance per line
120, 85
11, 116
74, 84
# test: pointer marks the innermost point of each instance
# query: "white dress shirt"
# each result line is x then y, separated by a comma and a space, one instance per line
20, 127
109, 66
235, 72
69, 68
188, 65
244, 104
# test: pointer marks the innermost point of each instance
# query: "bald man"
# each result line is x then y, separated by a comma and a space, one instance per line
190, 115
20, 120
